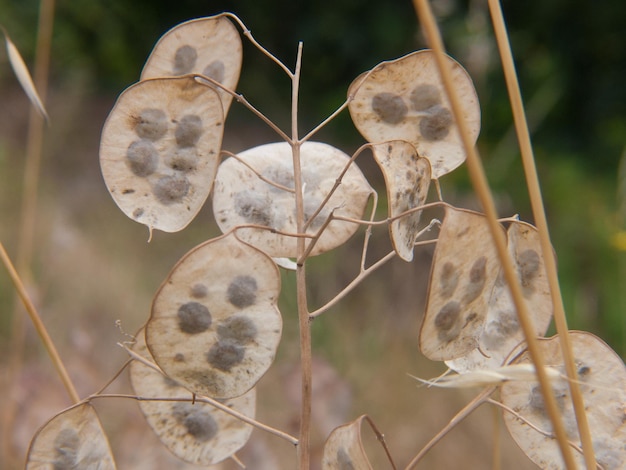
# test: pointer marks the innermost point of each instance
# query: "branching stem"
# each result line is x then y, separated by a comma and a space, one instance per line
303, 314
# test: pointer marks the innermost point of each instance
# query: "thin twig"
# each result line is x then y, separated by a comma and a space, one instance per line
534, 190
530, 424
211, 83
481, 187
368, 231
381, 438
248, 34
39, 326
202, 399
460, 416
336, 185
115, 376
388, 220
334, 114
354, 283
258, 175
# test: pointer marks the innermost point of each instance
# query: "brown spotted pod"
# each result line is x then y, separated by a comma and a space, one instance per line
255, 192
404, 99
344, 448
407, 179
160, 150
72, 439
204, 46
215, 325
601, 376
198, 433
463, 274
502, 333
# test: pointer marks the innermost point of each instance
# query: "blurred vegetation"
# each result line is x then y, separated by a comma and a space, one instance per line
571, 63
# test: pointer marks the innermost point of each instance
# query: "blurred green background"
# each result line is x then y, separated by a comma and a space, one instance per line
571, 63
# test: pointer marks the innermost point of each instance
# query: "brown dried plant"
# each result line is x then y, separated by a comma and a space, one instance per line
215, 325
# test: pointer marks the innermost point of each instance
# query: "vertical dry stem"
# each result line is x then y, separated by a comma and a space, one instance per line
39, 326
479, 181
539, 214
30, 193
303, 313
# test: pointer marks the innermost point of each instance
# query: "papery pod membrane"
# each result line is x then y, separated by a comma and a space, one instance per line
602, 377
215, 325
404, 99
464, 271
502, 332
242, 197
160, 150
207, 46
344, 449
407, 179
197, 432
73, 439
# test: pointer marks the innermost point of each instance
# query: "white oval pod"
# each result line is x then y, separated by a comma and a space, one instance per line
502, 332
198, 432
72, 439
160, 150
404, 99
464, 271
602, 382
207, 46
344, 448
407, 179
257, 188
215, 324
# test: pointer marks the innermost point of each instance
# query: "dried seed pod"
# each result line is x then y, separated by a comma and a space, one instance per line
502, 332
215, 326
160, 150
207, 46
72, 439
602, 382
244, 195
198, 433
464, 271
404, 99
344, 449
407, 178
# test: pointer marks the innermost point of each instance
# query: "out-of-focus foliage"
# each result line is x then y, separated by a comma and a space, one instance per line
571, 62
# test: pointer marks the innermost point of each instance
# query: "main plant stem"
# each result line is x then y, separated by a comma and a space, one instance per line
304, 457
